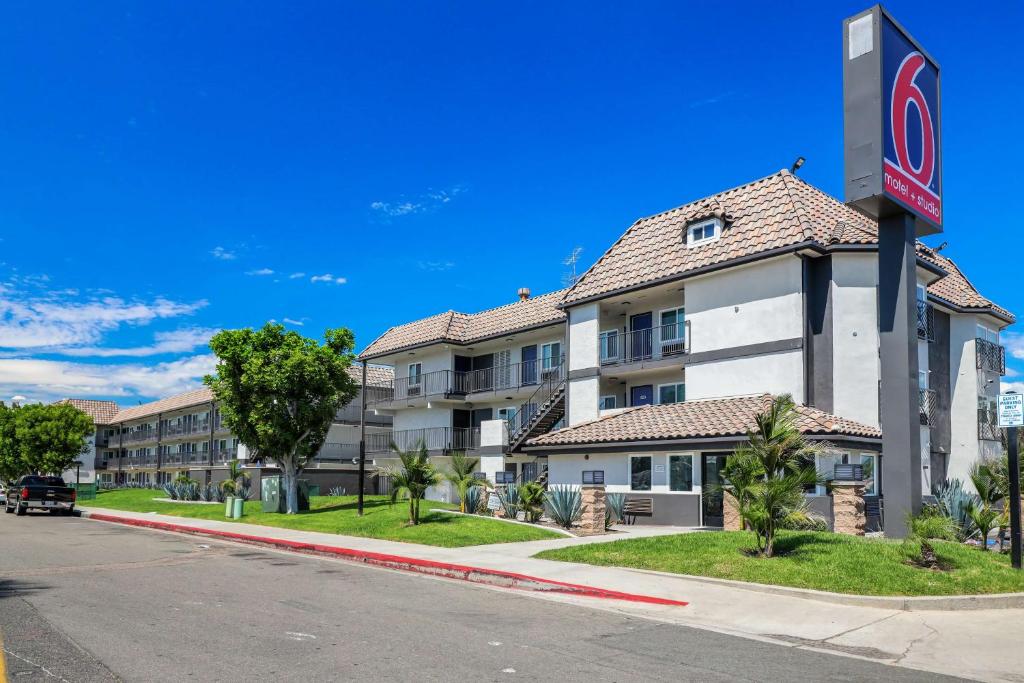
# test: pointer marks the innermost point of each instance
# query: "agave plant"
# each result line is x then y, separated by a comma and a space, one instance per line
473, 496
204, 494
564, 505
336, 491
243, 488
954, 502
171, 490
509, 497
613, 504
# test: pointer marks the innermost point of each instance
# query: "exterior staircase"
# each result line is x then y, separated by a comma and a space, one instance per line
550, 401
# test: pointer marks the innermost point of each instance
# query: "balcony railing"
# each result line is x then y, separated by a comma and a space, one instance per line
175, 430
434, 438
338, 452
511, 376
990, 356
928, 403
925, 321
222, 456
139, 461
666, 341
138, 436
456, 384
988, 429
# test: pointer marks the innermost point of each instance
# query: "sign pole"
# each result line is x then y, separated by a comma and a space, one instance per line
1015, 535
362, 441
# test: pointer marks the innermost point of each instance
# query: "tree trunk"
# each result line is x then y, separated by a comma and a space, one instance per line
291, 486
412, 510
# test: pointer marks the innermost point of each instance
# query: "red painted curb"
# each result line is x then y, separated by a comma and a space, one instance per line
412, 564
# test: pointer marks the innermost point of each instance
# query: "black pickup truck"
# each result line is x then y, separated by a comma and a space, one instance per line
40, 493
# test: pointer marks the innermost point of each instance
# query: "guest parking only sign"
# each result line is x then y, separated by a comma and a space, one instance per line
1011, 410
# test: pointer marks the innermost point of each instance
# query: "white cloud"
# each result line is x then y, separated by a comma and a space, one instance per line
223, 254
296, 276
289, 321
435, 266
1010, 372
52, 320
49, 380
327, 277
261, 272
175, 341
18, 399
1011, 386
1014, 343
425, 202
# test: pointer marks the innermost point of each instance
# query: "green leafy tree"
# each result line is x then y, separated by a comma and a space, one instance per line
767, 476
279, 391
460, 474
51, 437
12, 464
413, 478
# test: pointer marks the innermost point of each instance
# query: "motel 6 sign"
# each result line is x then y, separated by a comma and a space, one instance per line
891, 120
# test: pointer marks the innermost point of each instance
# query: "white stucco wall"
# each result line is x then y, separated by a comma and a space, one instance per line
419, 418
568, 470
583, 336
776, 373
855, 360
963, 376
761, 302
583, 395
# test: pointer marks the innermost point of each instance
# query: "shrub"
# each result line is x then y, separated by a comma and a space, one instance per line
564, 505
509, 497
171, 490
472, 498
613, 504
531, 500
802, 521
932, 524
243, 488
336, 491
954, 503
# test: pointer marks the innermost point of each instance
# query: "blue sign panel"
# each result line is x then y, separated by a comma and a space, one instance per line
910, 125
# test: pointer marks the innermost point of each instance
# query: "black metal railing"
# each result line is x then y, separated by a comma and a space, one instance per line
139, 435
925, 321
630, 346
520, 421
990, 356
507, 377
222, 456
445, 439
186, 429
988, 428
928, 403
338, 452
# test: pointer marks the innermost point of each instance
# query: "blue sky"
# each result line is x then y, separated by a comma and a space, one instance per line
169, 169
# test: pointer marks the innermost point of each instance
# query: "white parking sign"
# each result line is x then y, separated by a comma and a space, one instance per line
1011, 410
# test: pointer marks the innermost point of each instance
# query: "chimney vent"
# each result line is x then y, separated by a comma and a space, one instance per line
524, 293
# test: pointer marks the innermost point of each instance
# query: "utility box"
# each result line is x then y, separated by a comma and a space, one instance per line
275, 498
272, 493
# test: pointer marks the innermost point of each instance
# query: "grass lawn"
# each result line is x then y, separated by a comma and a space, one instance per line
337, 515
822, 561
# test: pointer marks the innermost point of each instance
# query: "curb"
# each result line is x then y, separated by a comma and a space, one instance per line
925, 603
490, 577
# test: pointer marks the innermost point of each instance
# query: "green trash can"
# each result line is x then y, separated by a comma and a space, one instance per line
238, 508
314, 490
229, 506
304, 493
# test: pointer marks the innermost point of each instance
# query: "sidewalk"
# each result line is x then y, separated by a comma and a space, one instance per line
980, 644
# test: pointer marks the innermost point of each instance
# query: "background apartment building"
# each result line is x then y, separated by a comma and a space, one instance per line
153, 443
769, 288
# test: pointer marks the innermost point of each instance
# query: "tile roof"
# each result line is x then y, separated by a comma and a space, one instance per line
462, 328
696, 419
101, 412
375, 374
775, 212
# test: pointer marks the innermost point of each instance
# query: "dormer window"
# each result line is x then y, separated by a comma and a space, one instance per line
703, 231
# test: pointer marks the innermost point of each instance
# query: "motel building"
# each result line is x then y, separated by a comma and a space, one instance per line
153, 443
651, 368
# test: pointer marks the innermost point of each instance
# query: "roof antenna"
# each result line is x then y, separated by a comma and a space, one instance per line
940, 247
571, 278
796, 165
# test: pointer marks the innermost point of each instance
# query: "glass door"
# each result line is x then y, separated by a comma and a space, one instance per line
711, 493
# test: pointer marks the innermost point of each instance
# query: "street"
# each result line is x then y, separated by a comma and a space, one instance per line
88, 601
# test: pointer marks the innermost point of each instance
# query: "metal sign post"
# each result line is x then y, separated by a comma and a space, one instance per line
1011, 416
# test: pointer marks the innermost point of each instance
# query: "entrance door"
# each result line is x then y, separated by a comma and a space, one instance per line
711, 496
528, 368
463, 366
641, 396
640, 336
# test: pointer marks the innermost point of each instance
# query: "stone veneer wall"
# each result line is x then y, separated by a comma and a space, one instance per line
848, 508
592, 518
732, 521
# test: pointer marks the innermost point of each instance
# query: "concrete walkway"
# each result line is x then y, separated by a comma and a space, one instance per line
979, 644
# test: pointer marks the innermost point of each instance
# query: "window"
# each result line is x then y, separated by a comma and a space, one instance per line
609, 345
987, 334
705, 231
673, 325
671, 393
680, 473
415, 373
640, 473
922, 379
551, 355
870, 463
607, 403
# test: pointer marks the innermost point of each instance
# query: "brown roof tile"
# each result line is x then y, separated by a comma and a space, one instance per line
771, 213
696, 419
101, 412
462, 328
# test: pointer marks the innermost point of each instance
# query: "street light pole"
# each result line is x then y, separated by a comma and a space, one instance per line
362, 440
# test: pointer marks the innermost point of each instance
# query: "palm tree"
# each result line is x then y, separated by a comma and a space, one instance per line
416, 475
461, 476
768, 475
531, 500
986, 480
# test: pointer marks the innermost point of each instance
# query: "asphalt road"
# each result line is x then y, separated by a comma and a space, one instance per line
88, 601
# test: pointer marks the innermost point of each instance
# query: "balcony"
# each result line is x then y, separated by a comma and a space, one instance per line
182, 430
138, 436
988, 429
444, 439
457, 385
623, 346
140, 462
928, 404
990, 356
925, 321
338, 452
222, 456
